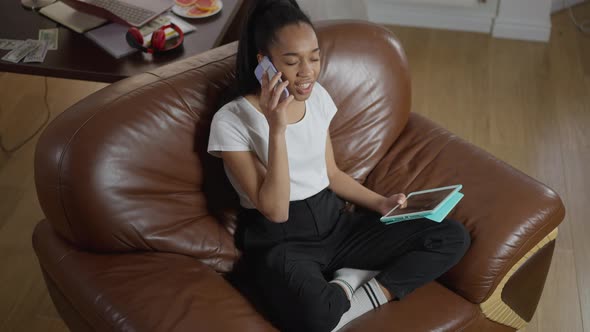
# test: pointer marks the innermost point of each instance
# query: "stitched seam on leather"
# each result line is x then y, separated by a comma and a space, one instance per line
59, 187
165, 81
99, 316
462, 328
66, 150
64, 256
517, 256
217, 251
73, 307
193, 68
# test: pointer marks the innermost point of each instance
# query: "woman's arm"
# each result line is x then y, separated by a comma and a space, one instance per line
349, 189
269, 189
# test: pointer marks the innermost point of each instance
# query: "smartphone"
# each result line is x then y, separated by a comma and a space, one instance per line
266, 66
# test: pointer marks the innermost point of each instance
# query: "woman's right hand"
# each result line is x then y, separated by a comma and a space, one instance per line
273, 109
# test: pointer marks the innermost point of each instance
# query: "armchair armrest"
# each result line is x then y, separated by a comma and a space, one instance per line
143, 291
509, 214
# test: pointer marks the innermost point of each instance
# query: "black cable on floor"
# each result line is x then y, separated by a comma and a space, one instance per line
28, 139
584, 25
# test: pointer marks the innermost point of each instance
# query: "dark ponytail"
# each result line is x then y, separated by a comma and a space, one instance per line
265, 18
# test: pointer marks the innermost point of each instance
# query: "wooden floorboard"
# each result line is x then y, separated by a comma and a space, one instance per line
25, 304
528, 104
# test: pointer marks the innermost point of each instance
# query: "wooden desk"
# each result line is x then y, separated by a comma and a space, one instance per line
80, 58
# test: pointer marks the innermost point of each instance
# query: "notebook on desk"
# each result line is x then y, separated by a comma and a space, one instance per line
127, 12
71, 18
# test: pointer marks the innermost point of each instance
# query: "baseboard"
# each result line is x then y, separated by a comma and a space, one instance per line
534, 31
557, 5
476, 18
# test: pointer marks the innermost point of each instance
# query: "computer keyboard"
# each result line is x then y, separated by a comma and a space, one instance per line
130, 13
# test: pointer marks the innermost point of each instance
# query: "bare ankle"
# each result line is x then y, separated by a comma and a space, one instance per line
386, 292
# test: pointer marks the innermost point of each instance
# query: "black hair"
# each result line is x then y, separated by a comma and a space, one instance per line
265, 18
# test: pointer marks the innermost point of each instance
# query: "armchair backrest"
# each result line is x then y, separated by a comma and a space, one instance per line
126, 168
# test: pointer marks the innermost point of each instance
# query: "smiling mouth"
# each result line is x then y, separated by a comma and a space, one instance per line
304, 85
304, 88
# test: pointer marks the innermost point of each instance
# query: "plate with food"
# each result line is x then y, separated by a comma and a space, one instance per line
197, 8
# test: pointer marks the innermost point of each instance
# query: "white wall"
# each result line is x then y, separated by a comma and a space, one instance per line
477, 16
515, 19
346, 9
334, 9
441, 2
523, 19
317, 10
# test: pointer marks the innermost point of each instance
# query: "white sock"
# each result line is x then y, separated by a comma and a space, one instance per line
368, 297
352, 279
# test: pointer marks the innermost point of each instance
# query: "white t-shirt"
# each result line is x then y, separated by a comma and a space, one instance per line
239, 126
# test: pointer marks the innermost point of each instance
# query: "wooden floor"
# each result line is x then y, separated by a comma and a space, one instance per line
527, 103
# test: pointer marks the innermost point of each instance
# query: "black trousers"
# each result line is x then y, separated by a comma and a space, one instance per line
292, 262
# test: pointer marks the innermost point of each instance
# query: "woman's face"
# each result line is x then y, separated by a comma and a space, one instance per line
296, 54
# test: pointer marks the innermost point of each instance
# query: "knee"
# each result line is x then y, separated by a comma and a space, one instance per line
459, 236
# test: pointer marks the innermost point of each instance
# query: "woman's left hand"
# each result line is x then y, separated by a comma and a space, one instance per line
388, 203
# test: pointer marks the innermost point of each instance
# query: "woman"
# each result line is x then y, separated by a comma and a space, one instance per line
316, 264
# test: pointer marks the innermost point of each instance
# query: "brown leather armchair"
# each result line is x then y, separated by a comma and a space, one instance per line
138, 235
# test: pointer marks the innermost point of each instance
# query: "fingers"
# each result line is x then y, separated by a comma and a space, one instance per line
276, 94
402, 200
268, 94
285, 102
265, 79
274, 80
269, 84
266, 91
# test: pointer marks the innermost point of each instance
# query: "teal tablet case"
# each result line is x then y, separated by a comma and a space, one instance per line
439, 214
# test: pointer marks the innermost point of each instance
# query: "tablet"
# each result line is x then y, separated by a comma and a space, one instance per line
421, 204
